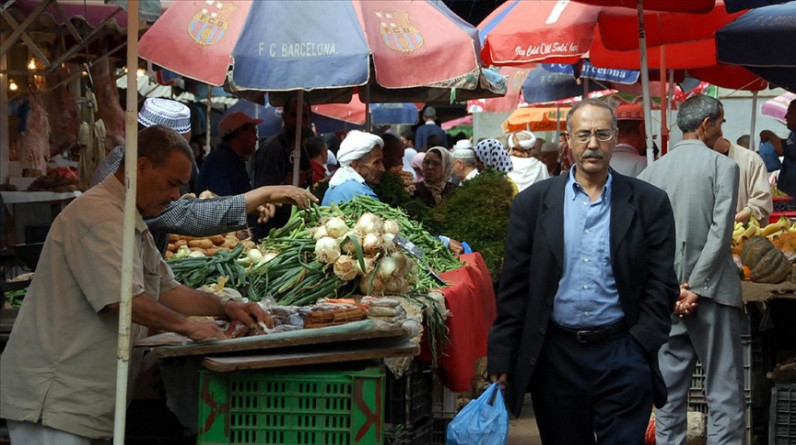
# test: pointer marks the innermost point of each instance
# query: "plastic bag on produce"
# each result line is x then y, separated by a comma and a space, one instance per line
484, 421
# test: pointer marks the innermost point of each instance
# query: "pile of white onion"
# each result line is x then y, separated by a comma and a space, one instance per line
387, 269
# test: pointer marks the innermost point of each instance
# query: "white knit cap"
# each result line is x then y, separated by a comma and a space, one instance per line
166, 112
356, 145
463, 153
463, 143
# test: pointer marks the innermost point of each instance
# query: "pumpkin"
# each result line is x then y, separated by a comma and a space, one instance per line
766, 263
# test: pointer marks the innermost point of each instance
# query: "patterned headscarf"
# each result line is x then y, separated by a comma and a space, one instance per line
436, 188
492, 153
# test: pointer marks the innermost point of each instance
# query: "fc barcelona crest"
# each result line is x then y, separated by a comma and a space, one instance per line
398, 32
209, 25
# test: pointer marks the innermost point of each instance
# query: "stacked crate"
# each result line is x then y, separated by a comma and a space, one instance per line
443, 410
295, 407
407, 412
782, 414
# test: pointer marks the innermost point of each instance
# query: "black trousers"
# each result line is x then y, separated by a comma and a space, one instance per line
587, 393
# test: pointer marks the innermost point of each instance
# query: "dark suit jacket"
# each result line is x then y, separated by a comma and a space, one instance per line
642, 254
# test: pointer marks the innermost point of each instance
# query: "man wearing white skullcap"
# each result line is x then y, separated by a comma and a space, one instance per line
156, 111
200, 217
464, 165
361, 163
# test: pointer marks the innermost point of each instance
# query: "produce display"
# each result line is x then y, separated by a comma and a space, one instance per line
327, 253
181, 246
764, 262
462, 216
322, 252
764, 254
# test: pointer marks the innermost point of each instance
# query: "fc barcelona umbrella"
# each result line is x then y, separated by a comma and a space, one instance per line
309, 45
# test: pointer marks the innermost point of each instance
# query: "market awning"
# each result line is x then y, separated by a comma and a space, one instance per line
96, 13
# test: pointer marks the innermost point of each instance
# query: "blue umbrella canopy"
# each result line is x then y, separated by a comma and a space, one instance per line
545, 86
587, 70
760, 41
740, 5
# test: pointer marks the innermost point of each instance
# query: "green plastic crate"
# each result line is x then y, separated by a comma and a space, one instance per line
291, 407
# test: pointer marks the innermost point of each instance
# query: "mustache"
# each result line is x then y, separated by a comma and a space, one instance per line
594, 154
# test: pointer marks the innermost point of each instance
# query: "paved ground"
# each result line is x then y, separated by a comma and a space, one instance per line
523, 431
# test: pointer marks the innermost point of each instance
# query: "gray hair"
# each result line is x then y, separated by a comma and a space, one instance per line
695, 109
470, 162
594, 103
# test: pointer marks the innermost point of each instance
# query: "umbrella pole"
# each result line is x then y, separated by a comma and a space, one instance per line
664, 103
754, 119
299, 128
208, 109
128, 231
670, 103
368, 117
645, 80
558, 122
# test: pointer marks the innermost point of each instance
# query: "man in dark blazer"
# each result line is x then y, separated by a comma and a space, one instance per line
586, 294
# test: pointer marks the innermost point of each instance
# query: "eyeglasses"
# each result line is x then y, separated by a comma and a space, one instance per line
601, 135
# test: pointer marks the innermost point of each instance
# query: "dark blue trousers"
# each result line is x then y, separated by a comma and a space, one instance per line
599, 392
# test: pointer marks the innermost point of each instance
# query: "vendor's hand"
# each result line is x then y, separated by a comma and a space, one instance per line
203, 330
687, 301
287, 194
744, 215
250, 314
455, 247
767, 135
500, 378
265, 212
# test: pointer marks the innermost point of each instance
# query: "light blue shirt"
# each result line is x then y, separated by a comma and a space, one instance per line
587, 296
346, 191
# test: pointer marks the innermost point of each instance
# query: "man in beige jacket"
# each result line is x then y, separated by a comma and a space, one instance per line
754, 192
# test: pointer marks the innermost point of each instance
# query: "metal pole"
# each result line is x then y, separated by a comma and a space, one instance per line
4, 142
368, 117
645, 80
664, 102
754, 119
299, 128
208, 109
128, 237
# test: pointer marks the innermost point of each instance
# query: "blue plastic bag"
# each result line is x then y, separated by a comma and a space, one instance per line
484, 421
770, 156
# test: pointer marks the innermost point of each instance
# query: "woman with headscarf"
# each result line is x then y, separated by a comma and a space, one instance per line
527, 169
491, 153
437, 170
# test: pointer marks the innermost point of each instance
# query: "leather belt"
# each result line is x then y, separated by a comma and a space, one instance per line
592, 335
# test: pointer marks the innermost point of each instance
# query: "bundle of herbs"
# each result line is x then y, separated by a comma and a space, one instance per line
462, 216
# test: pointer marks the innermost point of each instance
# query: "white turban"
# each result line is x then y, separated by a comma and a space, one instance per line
526, 140
356, 145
